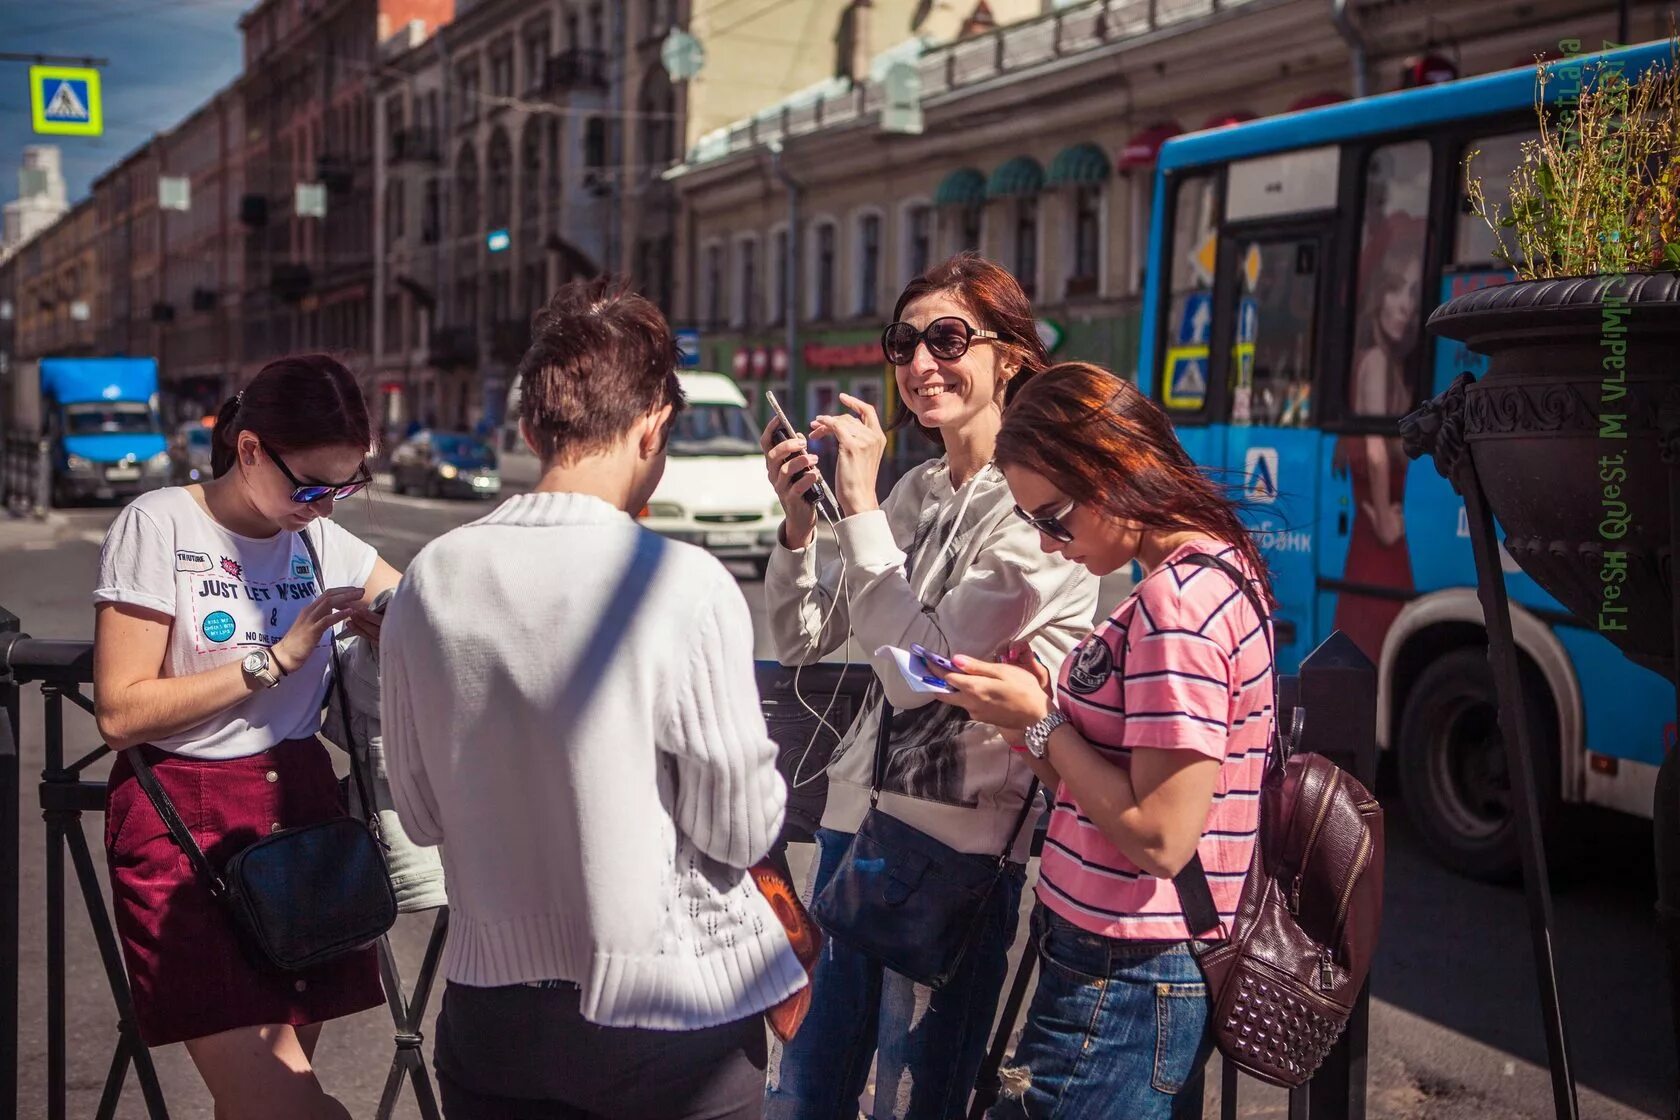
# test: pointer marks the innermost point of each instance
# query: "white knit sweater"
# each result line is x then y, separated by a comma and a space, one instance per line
570, 712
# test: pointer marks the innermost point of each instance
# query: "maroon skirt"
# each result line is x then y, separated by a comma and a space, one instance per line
190, 975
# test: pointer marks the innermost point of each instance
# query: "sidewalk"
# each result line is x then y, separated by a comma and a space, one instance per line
31, 533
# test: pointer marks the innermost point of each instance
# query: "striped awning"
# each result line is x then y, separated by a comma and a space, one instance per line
1016, 178
1141, 148
962, 187
1077, 166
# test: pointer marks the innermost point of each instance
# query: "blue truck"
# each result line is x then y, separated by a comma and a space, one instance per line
98, 418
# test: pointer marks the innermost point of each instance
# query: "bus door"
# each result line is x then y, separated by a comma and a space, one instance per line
1274, 265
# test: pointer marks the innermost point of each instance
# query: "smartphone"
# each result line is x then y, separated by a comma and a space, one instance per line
819, 495
943, 664
914, 670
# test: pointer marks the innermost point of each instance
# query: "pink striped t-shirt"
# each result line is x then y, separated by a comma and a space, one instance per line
1182, 664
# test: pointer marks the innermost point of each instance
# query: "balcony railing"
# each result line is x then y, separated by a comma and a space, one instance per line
575, 69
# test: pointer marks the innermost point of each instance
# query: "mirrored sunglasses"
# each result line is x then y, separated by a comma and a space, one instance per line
1049, 524
306, 493
947, 338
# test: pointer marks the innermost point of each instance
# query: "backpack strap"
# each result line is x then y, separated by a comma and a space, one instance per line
1195, 896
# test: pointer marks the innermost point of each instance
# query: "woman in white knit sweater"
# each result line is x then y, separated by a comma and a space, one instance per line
570, 713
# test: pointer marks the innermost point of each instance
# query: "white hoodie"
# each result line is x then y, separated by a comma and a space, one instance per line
954, 571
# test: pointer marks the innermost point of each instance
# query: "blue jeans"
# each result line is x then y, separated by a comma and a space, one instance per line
1116, 1029
928, 1045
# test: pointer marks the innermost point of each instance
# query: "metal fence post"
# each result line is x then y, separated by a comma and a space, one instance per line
1338, 687
9, 869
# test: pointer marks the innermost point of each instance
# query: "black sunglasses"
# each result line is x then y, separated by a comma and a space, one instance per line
946, 338
306, 493
1049, 524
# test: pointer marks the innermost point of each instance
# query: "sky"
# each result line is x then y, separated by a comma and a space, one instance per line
164, 59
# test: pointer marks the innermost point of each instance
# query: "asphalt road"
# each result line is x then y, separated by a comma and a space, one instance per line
1455, 1025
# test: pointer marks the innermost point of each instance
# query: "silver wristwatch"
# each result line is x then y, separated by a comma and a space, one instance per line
1038, 735
261, 667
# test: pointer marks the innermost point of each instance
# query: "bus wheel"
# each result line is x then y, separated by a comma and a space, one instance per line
1453, 771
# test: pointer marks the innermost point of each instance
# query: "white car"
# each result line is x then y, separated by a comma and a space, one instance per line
715, 492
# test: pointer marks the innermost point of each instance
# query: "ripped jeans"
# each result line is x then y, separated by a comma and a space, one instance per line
1116, 1029
927, 1045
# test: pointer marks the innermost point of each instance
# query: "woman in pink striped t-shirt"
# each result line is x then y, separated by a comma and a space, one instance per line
1153, 739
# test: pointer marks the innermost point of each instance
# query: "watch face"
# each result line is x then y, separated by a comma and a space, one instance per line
255, 662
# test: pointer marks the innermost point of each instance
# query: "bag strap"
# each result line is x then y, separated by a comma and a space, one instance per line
357, 754
1195, 896
177, 827
883, 736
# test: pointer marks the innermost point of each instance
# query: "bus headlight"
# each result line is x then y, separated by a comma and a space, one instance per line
78, 465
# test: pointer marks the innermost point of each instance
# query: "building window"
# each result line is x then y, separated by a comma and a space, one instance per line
823, 267
501, 71
920, 241
573, 40
536, 285
393, 324
869, 264
968, 228
714, 286
655, 18
530, 173
466, 189
501, 180
466, 301
393, 127
536, 57
597, 27
394, 217
1087, 241
595, 143
1026, 245
657, 110
467, 83
779, 272
747, 250
431, 213
501, 297
553, 133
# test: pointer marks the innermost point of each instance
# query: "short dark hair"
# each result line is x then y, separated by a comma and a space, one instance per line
601, 358
296, 403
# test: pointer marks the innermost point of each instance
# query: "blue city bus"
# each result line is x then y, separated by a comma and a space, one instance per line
1292, 263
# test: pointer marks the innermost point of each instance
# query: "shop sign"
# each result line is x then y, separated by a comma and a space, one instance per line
847, 356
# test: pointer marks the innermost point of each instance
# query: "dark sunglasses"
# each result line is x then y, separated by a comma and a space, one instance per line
306, 493
1049, 524
947, 338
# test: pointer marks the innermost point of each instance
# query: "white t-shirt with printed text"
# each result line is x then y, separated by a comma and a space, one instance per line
227, 594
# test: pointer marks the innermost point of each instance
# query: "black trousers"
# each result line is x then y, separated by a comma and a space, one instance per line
522, 1053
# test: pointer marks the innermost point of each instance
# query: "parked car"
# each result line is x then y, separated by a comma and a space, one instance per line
439, 464
189, 453
714, 492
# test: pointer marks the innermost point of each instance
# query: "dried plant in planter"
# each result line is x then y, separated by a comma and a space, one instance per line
1599, 190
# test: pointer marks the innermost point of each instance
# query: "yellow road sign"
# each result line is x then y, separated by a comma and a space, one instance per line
65, 100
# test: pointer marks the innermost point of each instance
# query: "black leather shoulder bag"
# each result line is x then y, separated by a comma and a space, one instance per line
301, 896
912, 902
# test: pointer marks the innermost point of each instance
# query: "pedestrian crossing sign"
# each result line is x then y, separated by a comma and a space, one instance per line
1187, 378
65, 100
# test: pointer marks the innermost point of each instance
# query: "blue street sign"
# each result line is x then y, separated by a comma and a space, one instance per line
1197, 321
688, 346
497, 240
1248, 320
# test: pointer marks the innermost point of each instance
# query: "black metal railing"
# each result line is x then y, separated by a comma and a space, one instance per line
1336, 686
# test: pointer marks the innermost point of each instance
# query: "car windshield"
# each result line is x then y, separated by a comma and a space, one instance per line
463, 451
714, 429
107, 419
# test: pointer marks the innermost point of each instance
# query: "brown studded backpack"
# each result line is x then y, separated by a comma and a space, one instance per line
1283, 981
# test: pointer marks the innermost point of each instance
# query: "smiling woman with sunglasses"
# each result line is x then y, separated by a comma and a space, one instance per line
941, 563
211, 661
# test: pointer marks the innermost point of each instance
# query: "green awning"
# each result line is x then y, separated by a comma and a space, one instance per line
1016, 178
963, 187
1078, 166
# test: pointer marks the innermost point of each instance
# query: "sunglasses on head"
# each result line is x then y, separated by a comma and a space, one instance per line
306, 493
947, 338
1050, 524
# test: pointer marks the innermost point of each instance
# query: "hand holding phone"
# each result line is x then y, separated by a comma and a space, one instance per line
914, 670
819, 495
938, 661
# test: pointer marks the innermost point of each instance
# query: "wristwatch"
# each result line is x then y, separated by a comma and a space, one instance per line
1038, 735
261, 667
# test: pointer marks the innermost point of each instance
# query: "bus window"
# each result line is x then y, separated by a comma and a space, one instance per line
1491, 160
1184, 373
1389, 310
1272, 330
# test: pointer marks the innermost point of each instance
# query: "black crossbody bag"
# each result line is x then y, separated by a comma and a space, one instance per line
302, 896
909, 901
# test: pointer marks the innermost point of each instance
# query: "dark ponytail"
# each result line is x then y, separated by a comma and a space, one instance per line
296, 403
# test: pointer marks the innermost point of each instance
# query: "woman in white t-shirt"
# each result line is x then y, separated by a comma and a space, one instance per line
211, 657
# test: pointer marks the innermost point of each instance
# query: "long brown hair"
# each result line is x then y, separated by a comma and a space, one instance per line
296, 403
1107, 446
994, 297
